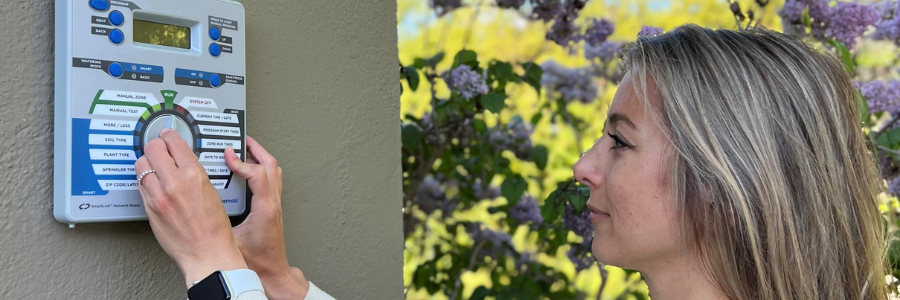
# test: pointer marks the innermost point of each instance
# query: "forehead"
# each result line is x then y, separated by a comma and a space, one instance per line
626, 101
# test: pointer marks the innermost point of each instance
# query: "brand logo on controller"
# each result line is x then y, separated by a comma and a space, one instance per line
84, 206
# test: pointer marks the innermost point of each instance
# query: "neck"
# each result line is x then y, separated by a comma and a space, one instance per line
678, 279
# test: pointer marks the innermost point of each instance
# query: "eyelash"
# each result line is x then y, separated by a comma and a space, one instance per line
618, 143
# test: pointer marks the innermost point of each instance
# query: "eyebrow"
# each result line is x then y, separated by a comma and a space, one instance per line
616, 117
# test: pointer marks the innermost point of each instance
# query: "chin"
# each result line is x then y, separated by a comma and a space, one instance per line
607, 253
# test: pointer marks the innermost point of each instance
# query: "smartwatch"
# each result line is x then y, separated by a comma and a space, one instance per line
225, 285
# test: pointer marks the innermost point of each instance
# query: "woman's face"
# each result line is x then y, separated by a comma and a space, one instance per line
631, 205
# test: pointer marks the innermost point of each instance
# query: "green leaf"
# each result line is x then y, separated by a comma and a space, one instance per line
550, 211
512, 188
479, 125
419, 63
434, 60
503, 71
889, 138
539, 156
536, 118
412, 76
806, 20
480, 293
533, 74
493, 102
845, 55
863, 106
465, 57
578, 201
409, 136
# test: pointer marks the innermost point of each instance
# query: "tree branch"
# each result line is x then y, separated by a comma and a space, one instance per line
458, 283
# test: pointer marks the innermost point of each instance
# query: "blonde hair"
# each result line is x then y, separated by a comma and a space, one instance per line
771, 176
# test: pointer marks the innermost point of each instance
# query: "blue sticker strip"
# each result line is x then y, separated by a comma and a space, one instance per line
143, 69
193, 74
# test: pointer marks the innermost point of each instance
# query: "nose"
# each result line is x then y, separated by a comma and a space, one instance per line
587, 170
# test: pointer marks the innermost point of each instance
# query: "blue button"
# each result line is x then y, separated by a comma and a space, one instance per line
215, 50
116, 70
101, 5
116, 36
116, 18
214, 80
215, 33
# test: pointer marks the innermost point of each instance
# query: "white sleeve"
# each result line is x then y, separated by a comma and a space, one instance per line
315, 293
252, 295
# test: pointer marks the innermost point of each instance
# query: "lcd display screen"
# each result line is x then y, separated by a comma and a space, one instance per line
162, 34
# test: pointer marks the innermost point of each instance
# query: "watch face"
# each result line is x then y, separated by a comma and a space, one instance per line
210, 288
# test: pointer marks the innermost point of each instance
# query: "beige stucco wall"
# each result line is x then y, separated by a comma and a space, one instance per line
323, 98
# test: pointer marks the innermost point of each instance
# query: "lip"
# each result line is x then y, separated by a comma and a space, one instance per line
597, 215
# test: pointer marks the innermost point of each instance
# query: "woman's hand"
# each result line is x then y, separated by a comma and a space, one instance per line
185, 211
261, 236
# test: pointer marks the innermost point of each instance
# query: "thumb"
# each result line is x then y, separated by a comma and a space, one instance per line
256, 175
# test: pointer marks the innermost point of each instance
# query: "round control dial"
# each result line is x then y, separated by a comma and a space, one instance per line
177, 119
155, 126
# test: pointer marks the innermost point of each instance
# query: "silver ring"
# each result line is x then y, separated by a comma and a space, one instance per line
140, 178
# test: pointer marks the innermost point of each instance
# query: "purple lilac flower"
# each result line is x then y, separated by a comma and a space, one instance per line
599, 31
607, 51
882, 96
525, 211
581, 260
442, 7
514, 4
820, 16
850, 20
563, 31
521, 138
428, 127
563, 14
580, 224
466, 81
515, 136
429, 194
494, 240
491, 192
524, 258
650, 31
894, 186
572, 84
448, 206
792, 12
546, 9
888, 27
818, 9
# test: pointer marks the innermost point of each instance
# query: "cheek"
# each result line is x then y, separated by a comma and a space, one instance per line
643, 220
639, 203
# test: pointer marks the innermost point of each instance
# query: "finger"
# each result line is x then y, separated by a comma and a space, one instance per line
256, 175
157, 153
260, 154
278, 184
178, 148
149, 185
141, 165
151, 189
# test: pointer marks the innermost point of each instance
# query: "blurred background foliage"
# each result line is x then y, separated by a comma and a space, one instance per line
466, 154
